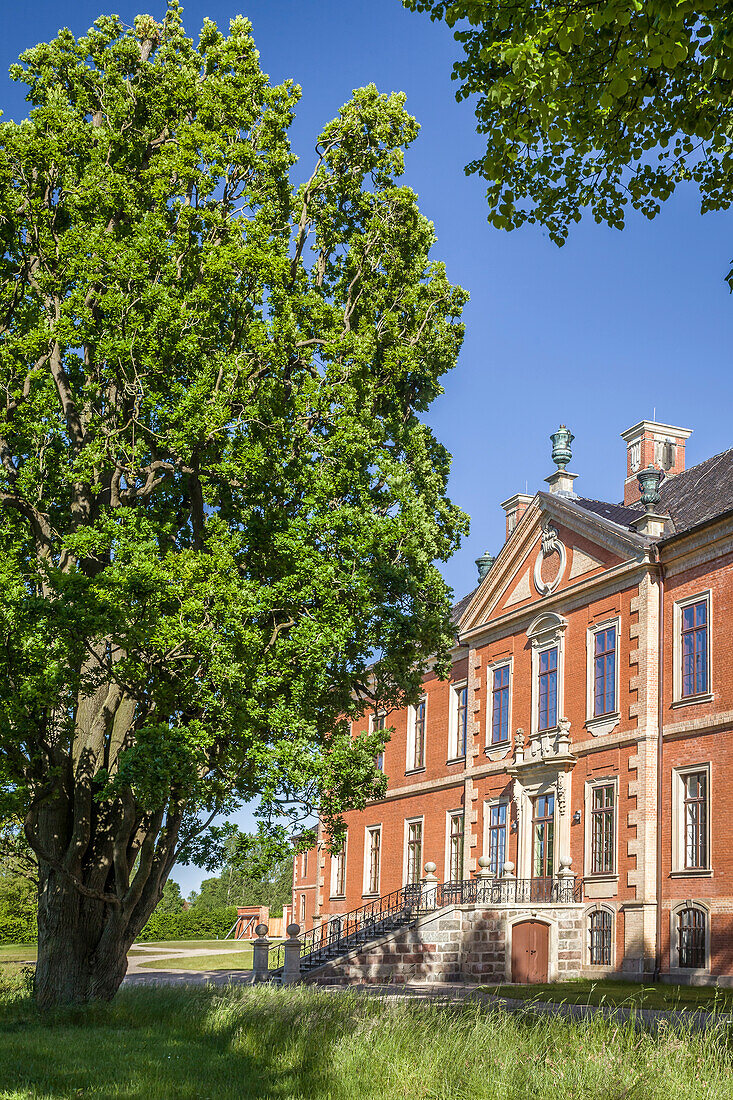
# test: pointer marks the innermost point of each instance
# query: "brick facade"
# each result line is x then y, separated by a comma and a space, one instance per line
572, 567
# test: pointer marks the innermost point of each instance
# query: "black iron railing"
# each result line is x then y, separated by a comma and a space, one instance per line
403, 907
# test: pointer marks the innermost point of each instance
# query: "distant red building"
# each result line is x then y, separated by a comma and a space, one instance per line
597, 627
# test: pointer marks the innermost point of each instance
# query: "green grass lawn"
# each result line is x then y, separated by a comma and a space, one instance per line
17, 952
301, 1044
227, 960
158, 947
588, 992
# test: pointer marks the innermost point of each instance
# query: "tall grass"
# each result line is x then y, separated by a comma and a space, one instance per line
196, 1043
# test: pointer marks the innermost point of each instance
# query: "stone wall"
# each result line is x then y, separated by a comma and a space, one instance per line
463, 943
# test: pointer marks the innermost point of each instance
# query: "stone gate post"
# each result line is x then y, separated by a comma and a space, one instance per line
261, 954
291, 969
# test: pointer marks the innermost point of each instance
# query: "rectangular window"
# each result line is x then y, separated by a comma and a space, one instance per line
414, 852
461, 722
378, 723
374, 851
302, 910
548, 689
691, 942
696, 819
304, 865
455, 847
338, 873
543, 822
497, 837
691, 820
500, 706
695, 649
604, 672
416, 757
603, 828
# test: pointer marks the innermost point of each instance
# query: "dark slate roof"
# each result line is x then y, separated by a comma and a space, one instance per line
693, 497
616, 513
700, 493
458, 608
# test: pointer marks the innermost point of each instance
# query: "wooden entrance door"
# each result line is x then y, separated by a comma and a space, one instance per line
530, 948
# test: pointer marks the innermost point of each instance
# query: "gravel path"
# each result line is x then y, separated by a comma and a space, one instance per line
446, 993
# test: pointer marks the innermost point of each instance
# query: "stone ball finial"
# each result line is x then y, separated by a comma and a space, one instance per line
261, 930
293, 931
565, 863
430, 868
649, 481
484, 564
484, 862
561, 441
508, 867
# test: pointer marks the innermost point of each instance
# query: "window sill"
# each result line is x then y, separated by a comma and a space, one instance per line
609, 877
414, 771
693, 872
690, 700
603, 723
376, 895
452, 760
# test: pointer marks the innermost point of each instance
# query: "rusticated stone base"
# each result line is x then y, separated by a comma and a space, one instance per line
461, 943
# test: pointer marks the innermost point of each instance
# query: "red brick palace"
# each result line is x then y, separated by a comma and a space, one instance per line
579, 762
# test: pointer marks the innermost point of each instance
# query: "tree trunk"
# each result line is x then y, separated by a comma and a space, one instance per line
82, 945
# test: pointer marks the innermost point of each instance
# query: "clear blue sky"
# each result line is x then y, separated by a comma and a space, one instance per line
597, 334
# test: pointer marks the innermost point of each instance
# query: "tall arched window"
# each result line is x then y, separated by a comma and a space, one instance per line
600, 930
691, 938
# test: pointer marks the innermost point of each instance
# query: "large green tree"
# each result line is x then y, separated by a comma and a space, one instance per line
595, 104
218, 501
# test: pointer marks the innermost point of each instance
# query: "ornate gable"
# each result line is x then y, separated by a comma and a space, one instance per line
556, 545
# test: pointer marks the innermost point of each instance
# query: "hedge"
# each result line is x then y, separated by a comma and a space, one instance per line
22, 929
191, 924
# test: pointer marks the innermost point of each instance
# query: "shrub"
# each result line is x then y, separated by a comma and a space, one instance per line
192, 924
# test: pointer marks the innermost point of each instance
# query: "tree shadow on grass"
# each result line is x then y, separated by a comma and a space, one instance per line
191, 1044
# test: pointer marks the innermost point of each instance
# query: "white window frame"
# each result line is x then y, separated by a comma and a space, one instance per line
411, 729
678, 821
450, 814
590, 785
599, 967
453, 755
372, 718
368, 830
546, 632
674, 957
419, 820
678, 699
302, 911
490, 670
334, 857
489, 804
603, 723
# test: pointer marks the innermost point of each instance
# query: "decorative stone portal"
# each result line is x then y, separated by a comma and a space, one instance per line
530, 951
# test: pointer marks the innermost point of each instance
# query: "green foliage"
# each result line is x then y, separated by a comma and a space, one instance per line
189, 924
218, 499
256, 871
171, 901
18, 909
595, 104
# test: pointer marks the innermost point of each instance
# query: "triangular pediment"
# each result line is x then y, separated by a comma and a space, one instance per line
556, 545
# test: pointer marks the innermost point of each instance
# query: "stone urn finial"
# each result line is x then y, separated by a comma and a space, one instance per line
561, 441
649, 481
484, 564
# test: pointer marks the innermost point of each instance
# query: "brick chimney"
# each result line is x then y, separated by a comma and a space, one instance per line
515, 507
649, 443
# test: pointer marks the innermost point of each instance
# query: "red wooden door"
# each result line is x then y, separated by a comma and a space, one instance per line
530, 948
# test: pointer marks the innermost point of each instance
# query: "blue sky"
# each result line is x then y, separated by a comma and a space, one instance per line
597, 334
